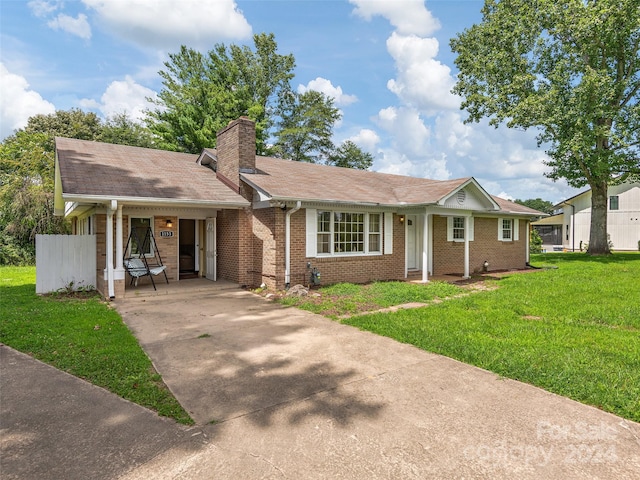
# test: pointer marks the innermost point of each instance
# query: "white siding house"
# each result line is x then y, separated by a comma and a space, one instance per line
623, 218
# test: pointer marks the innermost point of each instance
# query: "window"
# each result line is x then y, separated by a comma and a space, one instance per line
140, 241
375, 229
613, 202
348, 233
506, 228
458, 228
324, 232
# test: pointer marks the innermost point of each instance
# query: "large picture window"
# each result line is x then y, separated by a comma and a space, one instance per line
348, 233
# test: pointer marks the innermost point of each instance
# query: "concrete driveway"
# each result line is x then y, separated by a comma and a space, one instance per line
281, 393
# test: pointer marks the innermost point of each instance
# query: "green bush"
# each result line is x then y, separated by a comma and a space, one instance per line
535, 242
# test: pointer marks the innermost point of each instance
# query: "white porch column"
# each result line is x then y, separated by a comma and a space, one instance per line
109, 246
425, 248
119, 264
467, 227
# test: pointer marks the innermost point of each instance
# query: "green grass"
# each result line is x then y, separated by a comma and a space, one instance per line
573, 329
82, 336
347, 299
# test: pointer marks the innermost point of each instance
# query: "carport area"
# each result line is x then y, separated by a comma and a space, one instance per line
282, 393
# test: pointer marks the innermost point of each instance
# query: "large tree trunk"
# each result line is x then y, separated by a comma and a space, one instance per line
598, 240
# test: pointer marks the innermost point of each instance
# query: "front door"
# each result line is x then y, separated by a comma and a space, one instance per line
412, 242
210, 245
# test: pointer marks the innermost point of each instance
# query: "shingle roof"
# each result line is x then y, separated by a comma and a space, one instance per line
286, 179
103, 169
513, 207
106, 170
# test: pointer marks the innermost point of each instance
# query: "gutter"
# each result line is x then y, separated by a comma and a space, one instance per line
287, 244
154, 201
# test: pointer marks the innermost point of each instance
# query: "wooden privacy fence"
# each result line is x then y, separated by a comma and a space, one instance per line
65, 261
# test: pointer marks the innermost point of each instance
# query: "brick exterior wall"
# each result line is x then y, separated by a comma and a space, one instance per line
355, 269
448, 257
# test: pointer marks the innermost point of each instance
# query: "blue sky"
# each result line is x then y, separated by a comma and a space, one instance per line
387, 64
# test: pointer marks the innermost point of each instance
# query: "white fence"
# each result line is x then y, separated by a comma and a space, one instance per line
65, 260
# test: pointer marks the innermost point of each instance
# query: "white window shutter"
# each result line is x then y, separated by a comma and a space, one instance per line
449, 229
516, 229
500, 238
312, 232
471, 229
388, 233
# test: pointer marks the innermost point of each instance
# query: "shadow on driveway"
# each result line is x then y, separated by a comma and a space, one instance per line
233, 353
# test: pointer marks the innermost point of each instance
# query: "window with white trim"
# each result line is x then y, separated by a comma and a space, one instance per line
324, 232
140, 224
458, 228
339, 233
375, 233
508, 229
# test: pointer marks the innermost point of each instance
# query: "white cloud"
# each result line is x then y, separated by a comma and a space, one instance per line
366, 139
43, 8
325, 86
423, 82
125, 96
18, 103
428, 136
407, 16
410, 152
165, 24
75, 26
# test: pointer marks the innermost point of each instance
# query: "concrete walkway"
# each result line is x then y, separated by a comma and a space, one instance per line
294, 395
281, 393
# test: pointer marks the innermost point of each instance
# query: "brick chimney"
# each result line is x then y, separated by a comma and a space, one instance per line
236, 151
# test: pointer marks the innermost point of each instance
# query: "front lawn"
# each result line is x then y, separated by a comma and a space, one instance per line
82, 336
572, 329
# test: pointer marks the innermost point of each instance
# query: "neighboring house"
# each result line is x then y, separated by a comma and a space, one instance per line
569, 229
230, 214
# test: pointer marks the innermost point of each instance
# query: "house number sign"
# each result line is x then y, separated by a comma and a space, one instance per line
166, 233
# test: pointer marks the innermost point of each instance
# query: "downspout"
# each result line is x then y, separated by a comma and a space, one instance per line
287, 244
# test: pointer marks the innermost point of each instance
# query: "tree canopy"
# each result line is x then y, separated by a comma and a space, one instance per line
539, 204
349, 155
570, 69
27, 174
201, 94
306, 127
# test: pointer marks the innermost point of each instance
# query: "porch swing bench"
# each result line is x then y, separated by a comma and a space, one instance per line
139, 266
136, 269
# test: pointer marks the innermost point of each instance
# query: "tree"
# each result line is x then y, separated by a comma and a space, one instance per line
349, 155
201, 94
306, 127
570, 69
27, 174
121, 129
26, 195
543, 206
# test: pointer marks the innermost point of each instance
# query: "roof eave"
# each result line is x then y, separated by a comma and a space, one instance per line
152, 201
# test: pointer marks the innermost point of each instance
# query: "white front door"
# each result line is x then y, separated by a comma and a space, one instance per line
412, 242
211, 249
